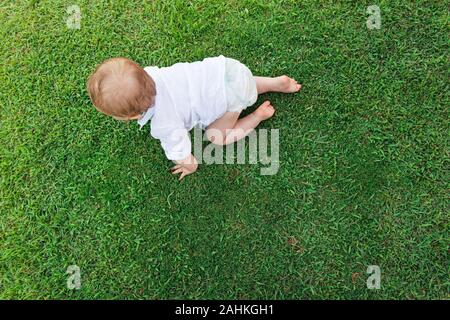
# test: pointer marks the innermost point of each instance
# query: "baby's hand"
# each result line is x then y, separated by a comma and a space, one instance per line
185, 166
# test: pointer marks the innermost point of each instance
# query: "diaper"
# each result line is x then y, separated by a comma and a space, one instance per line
240, 86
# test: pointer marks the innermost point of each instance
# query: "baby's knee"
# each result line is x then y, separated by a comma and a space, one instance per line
216, 136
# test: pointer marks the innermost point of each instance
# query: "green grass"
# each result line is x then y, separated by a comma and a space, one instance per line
364, 155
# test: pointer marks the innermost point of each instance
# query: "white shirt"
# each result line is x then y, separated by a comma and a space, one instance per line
187, 94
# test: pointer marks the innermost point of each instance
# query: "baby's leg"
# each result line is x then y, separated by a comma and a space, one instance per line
278, 84
229, 128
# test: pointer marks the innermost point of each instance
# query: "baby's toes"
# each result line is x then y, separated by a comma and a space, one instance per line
266, 104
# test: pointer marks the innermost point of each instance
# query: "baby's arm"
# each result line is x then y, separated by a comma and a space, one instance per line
185, 166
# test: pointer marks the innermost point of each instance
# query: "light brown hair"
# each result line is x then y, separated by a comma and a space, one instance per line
120, 88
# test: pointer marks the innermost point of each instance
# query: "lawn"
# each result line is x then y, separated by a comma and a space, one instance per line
364, 155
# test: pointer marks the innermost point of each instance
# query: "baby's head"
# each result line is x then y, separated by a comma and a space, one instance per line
120, 88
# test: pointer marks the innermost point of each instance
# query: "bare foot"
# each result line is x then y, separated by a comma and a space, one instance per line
288, 85
264, 111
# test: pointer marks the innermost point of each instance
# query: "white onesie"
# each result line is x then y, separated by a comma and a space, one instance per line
190, 94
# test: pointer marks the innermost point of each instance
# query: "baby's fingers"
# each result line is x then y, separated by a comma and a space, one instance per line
177, 171
183, 175
175, 167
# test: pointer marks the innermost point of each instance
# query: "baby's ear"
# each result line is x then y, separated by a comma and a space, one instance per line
92, 87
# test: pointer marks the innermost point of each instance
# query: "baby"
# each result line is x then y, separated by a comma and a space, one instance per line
211, 94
